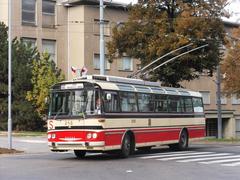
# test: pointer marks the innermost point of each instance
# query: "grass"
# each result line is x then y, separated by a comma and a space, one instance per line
24, 133
223, 140
9, 151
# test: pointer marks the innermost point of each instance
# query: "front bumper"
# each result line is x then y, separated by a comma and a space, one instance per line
81, 145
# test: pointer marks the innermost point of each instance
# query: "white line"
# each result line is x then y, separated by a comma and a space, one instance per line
222, 161
222, 156
187, 157
33, 141
232, 164
155, 154
172, 155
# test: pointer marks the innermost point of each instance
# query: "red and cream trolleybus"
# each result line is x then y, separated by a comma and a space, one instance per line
106, 113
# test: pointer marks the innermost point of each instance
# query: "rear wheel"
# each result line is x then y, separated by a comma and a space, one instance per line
79, 153
182, 143
126, 146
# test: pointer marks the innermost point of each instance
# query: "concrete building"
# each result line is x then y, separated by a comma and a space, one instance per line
69, 31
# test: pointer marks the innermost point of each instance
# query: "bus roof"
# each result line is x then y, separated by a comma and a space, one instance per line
128, 84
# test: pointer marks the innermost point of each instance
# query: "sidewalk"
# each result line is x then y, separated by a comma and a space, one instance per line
218, 142
28, 144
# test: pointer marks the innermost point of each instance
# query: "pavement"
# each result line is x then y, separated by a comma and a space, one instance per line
201, 161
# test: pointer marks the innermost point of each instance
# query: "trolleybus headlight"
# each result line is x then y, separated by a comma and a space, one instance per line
53, 136
89, 135
94, 135
49, 136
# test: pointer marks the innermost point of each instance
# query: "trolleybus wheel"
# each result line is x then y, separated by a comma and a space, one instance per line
126, 146
182, 143
79, 153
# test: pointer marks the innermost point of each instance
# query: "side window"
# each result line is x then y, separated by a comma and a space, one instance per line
128, 102
161, 104
111, 102
188, 104
197, 104
145, 102
175, 104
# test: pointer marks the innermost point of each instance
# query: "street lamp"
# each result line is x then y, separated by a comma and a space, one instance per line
9, 76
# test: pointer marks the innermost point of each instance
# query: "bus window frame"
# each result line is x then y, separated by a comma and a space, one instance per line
103, 104
151, 94
136, 100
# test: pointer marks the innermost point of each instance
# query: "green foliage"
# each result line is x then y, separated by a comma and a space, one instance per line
24, 116
44, 75
156, 27
231, 65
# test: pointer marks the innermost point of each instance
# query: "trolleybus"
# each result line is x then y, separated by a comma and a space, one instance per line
107, 113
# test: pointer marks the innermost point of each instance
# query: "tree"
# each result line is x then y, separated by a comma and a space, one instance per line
156, 27
231, 65
23, 114
44, 75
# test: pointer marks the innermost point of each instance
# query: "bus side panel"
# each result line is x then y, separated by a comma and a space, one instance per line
197, 132
113, 138
156, 135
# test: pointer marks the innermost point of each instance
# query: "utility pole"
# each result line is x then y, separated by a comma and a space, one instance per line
219, 110
9, 75
102, 45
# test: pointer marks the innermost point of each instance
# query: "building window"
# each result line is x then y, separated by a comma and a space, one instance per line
206, 97
223, 99
125, 64
96, 62
235, 99
96, 27
49, 46
29, 12
48, 13
30, 42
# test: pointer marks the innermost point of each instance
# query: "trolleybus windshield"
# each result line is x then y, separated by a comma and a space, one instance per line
72, 103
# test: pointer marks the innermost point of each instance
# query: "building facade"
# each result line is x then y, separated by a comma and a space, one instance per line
68, 31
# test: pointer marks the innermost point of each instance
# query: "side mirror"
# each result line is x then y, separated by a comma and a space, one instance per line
108, 96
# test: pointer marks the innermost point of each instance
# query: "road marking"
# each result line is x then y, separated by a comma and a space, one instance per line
168, 153
172, 155
209, 158
223, 161
232, 164
33, 141
188, 157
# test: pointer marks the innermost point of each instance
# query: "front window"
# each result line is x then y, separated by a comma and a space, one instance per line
60, 104
73, 103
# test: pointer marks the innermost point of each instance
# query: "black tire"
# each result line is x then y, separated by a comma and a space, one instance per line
79, 154
182, 142
126, 146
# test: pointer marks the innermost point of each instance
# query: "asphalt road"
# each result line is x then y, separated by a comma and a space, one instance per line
200, 162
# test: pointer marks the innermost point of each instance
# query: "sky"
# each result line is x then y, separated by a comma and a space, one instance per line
233, 9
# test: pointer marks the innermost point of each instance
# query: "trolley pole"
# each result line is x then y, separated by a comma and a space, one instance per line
102, 51
9, 76
219, 109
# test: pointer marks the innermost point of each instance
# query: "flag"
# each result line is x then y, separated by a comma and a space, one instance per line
84, 71
73, 69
